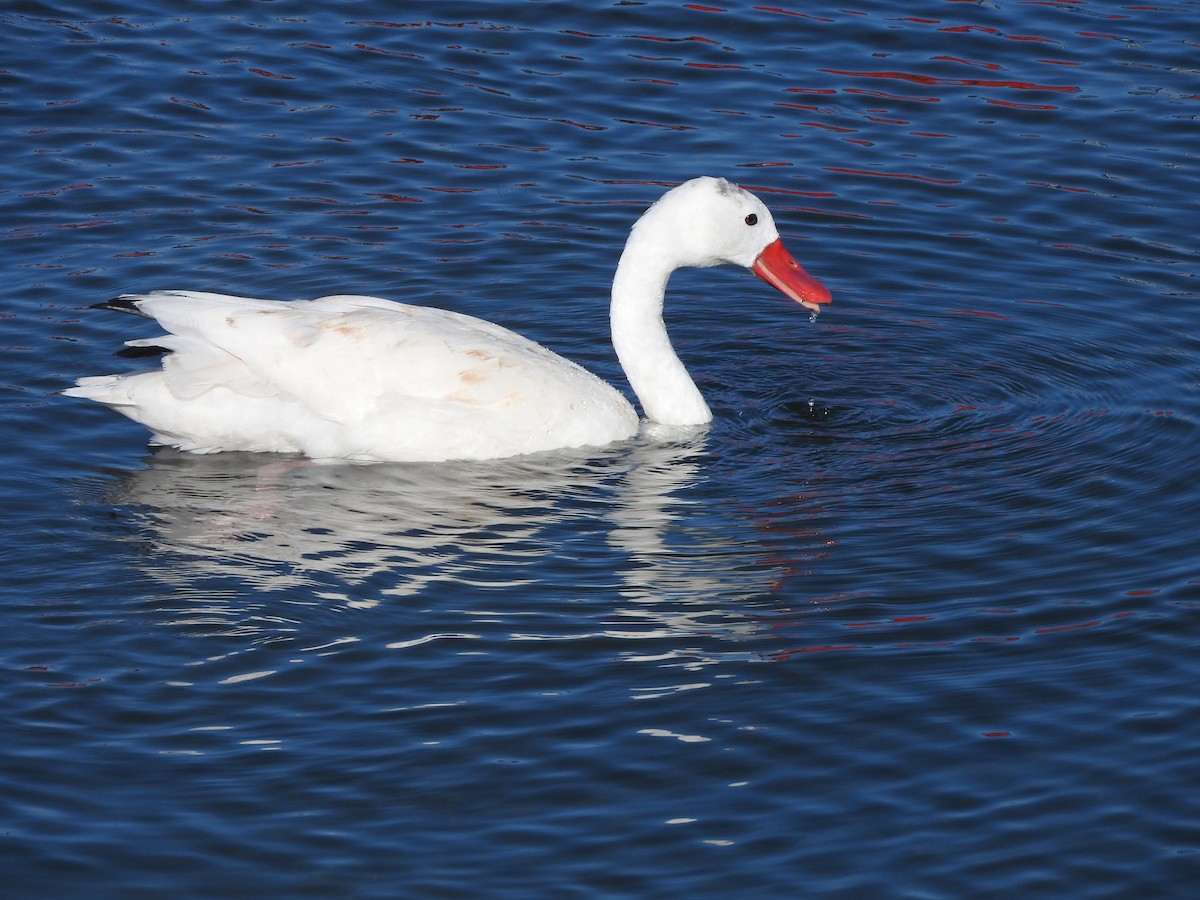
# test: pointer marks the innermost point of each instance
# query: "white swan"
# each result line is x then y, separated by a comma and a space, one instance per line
364, 378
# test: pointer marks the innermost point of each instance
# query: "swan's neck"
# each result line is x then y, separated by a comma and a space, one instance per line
666, 391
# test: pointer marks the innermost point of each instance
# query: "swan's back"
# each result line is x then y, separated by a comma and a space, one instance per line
354, 377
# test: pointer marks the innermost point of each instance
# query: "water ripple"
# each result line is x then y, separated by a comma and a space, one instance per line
926, 586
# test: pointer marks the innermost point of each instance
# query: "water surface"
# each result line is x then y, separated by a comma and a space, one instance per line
916, 616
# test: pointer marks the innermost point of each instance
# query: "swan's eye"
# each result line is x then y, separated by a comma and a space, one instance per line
752, 219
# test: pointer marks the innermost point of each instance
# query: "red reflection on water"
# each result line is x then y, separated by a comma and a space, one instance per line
380, 23
367, 48
883, 95
578, 124
669, 40
837, 128
56, 191
808, 107
1013, 105
265, 74
781, 655
982, 315
898, 620
397, 198
94, 224
958, 82
1061, 187
195, 104
905, 175
489, 90
966, 62
1054, 629
791, 192
658, 125
779, 10
963, 29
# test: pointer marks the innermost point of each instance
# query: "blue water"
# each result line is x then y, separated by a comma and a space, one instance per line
919, 616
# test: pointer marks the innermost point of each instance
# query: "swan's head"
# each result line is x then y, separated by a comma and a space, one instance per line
710, 221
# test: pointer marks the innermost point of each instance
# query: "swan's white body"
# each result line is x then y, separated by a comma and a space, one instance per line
364, 378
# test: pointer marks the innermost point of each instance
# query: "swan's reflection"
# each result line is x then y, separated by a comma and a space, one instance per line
625, 524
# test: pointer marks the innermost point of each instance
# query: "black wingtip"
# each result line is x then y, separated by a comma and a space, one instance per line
126, 303
141, 352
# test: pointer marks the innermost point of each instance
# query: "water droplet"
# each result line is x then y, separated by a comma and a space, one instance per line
812, 317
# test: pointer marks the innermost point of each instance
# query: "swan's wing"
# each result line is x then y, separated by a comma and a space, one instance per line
372, 370
343, 356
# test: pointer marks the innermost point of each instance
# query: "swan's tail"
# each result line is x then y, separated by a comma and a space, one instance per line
128, 303
110, 390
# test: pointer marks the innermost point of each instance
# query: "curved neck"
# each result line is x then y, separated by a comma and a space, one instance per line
666, 391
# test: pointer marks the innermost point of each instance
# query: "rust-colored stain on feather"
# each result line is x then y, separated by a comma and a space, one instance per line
343, 328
